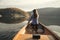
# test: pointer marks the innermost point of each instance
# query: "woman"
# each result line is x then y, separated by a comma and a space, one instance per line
34, 20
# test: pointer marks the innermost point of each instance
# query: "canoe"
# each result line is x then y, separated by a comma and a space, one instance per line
46, 35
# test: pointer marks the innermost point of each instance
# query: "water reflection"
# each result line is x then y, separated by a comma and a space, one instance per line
13, 15
8, 31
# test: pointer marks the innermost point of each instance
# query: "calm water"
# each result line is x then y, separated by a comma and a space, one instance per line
8, 31
55, 29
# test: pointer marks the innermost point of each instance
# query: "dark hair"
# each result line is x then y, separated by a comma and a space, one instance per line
35, 13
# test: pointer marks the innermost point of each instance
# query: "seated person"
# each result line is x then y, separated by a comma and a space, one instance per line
34, 20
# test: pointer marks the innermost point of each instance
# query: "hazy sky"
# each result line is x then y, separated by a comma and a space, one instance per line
28, 5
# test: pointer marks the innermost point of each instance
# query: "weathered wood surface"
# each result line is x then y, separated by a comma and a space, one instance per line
23, 35
29, 37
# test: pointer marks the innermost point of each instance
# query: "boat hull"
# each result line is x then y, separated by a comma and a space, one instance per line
24, 35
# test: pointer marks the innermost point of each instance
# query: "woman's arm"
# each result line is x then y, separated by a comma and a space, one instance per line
30, 19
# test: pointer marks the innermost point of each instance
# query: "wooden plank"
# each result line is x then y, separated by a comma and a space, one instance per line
29, 37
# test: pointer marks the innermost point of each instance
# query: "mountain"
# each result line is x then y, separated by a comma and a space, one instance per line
13, 15
49, 16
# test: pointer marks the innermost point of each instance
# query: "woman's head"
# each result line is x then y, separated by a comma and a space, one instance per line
35, 13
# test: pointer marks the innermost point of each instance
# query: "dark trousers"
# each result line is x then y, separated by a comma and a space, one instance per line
34, 27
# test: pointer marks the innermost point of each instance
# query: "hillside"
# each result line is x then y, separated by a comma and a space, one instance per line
49, 16
13, 15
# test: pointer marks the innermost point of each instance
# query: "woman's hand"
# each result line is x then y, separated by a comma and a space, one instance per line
28, 22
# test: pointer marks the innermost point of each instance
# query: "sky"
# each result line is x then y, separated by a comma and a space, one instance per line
28, 5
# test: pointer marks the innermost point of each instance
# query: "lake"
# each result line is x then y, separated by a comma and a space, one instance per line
8, 31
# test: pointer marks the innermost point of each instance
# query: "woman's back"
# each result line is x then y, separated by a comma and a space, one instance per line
34, 20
